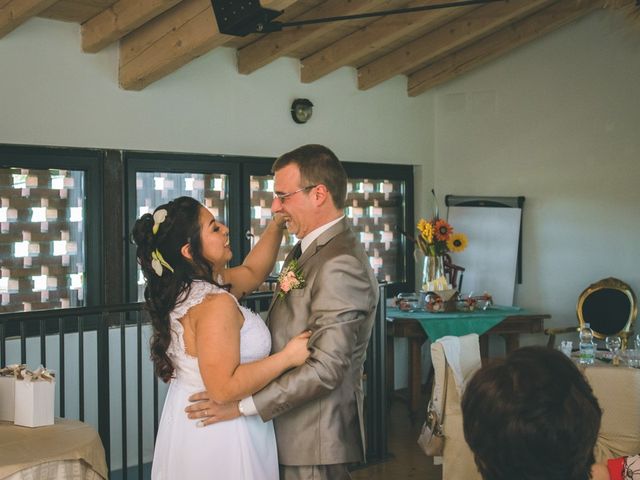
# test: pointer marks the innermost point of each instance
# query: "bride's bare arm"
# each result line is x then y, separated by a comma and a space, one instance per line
245, 278
217, 322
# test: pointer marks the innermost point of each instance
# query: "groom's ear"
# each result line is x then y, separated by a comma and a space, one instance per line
321, 194
186, 251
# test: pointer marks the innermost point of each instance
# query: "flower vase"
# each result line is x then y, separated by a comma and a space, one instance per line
432, 269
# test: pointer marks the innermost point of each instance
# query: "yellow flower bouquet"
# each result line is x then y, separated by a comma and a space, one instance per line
436, 237
435, 240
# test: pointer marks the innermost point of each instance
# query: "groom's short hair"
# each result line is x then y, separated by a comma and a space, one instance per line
318, 165
532, 416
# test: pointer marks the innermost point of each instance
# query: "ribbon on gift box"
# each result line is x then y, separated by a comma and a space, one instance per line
11, 370
40, 373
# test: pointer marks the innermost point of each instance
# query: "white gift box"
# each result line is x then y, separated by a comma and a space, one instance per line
7, 399
34, 403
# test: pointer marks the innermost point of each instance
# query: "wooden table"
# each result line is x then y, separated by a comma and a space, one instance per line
66, 449
510, 329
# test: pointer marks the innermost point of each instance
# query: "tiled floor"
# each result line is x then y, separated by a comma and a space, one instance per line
407, 460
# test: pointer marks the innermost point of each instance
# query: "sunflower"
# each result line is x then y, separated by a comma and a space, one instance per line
443, 230
457, 242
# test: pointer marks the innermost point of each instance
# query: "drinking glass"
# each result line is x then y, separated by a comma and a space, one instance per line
613, 344
566, 346
407, 301
636, 339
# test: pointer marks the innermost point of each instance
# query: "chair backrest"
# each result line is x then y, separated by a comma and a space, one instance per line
458, 462
609, 306
451, 270
618, 392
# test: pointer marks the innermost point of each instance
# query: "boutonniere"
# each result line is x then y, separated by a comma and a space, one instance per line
290, 277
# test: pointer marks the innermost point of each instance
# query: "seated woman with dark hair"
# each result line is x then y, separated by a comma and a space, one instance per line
532, 416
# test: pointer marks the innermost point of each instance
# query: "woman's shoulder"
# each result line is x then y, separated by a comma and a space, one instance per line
218, 304
198, 292
217, 299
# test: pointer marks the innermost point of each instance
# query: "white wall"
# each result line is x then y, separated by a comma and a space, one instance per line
53, 94
556, 121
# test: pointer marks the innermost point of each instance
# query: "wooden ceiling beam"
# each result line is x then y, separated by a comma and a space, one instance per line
15, 12
499, 43
120, 19
172, 40
278, 44
446, 39
348, 50
167, 42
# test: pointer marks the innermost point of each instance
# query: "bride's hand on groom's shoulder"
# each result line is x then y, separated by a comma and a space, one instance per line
206, 411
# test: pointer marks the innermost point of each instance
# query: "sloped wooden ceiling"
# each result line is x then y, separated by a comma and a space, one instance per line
157, 37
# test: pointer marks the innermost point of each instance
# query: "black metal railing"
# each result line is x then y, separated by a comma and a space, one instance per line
105, 377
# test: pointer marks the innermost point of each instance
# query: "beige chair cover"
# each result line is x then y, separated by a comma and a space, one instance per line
618, 392
458, 463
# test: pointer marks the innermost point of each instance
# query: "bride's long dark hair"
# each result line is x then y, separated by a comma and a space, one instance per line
162, 250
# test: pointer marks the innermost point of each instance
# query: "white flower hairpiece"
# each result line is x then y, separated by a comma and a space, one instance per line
159, 216
157, 262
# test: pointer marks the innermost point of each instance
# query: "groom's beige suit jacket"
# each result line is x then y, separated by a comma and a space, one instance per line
318, 408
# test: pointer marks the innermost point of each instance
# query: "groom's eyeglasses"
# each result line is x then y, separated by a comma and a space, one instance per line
283, 196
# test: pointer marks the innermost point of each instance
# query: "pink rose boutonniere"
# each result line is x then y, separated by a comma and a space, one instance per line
290, 277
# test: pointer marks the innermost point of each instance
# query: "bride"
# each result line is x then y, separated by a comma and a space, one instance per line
203, 339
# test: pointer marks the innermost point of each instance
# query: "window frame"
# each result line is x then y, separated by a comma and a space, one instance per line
100, 165
400, 172
90, 161
138, 161
262, 166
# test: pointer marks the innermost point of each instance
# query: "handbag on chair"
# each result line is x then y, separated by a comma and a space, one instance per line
431, 439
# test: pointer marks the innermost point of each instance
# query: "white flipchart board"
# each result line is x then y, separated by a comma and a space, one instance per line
491, 257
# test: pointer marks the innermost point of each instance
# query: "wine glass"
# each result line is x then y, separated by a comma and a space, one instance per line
613, 344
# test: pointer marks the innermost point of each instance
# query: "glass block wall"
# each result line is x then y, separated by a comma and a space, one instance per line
156, 188
375, 208
42, 241
260, 198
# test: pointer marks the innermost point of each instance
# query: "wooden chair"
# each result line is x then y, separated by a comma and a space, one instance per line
457, 458
452, 270
618, 392
609, 307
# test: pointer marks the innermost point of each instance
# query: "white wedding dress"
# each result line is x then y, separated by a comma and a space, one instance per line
239, 449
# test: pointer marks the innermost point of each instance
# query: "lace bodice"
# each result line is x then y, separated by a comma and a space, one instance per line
255, 340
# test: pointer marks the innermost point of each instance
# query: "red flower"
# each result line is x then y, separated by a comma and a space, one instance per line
443, 230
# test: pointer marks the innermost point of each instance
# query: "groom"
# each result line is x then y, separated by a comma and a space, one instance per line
317, 408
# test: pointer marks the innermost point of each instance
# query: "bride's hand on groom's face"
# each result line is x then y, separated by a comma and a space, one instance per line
207, 411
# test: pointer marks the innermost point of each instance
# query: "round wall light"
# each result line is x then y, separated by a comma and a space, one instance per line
301, 110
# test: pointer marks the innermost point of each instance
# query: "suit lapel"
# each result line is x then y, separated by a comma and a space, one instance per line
314, 248
322, 240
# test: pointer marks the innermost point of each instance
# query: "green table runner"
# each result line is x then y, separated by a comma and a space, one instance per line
438, 325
